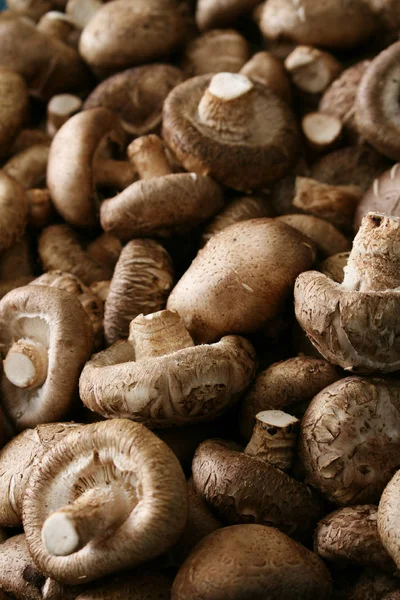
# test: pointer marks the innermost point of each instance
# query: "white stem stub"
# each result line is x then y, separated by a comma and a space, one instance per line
229, 86
274, 438
59, 535
26, 364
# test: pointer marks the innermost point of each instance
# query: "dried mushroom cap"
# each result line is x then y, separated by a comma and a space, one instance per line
383, 195
326, 237
124, 34
122, 502
328, 24
350, 439
252, 562
286, 385
141, 283
350, 535
149, 584
354, 324
388, 517
19, 576
60, 249
13, 107
267, 69
137, 95
236, 131
29, 166
41, 328
159, 377
246, 489
16, 461
377, 103
13, 211
220, 13
215, 51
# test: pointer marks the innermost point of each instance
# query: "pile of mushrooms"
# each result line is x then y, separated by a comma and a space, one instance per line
200, 300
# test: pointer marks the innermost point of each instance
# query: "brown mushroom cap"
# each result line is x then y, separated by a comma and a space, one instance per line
328, 24
149, 584
382, 196
326, 237
388, 517
160, 378
312, 70
243, 262
123, 34
106, 249
243, 136
112, 457
268, 70
252, 562
214, 13
13, 211
19, 576
350, 535
350, 439
38, 328
13, 107
141, 283
245, 489
41, 209
29, 166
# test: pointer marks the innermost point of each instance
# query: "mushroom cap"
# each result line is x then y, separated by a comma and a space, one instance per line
57, 320
388, 517
137, 95
124, 34
244, 262
382, 196
213, 13
252, 562
33, 9
333, 266
328, 23
70, 173
245, 489
149, 584
269, 70
13, 107
19, 576
13, 211
337, 538
187, 386
216, 51
350, 439
29, 166
355, 330
126, 455
326, 237
264, 152
161, 206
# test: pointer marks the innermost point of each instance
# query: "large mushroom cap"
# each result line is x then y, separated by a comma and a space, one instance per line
236, 131
138, 476
252, 562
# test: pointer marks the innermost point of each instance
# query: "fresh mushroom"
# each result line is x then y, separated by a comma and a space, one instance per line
232, 129
383, 196
327, 238
267, 69
29, 167
13, 211
333, 266
388, 518
13, 108
312, 70
322, 132
60, 26
106, 497
215, 51
41, 328
18, 575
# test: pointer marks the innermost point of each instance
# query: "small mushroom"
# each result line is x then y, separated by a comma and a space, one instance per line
327, 238
312, 70
388, 517
106, 497
232, 129
267, 69
243, 262
41, 210
60, 26
137, 95
13, 108
354, 324
215, 51
75, 168
159, 377
13, 211
382, 196
60, 108
141, 283
161, 203
220, 13
322, 131
41, 328
29, 167
251, 561
350, 439
350, 536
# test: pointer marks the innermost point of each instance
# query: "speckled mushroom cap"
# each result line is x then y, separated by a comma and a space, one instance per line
382, 196
137, 95
236, 131
388, 518
135, 472
326, 237
70, 172
252, 562
350, 439
41, 328
13, 211
245, 489
18, 574
160, 378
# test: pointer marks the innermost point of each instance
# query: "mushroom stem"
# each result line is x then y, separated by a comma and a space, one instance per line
157, 334
148, 155
94, 514
374, 261
226, 104
25, 365
115, 173
274, 438
61, 108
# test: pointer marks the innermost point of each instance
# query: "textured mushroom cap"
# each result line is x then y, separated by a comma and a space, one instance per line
264, 152
59, 249
123, 454
142, 280
245, 489
123, 34
13, 211
161, 206
187, 386
213, 13
18, 575
137, 95
16, 461
216, 51
326, 237
252, 562
383, 196
350, 439
56, 320
147, 585
13, 107
70, 173
350, 535
358, 331
244, 262
286, 385
329, 23
389, 518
